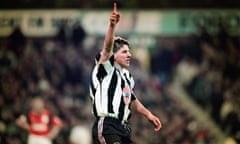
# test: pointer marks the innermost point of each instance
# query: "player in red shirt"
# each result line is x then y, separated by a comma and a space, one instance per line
42, 126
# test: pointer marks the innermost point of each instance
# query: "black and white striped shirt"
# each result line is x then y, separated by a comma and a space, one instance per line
107, 90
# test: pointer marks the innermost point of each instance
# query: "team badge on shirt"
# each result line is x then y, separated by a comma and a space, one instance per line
127, 95
45, 119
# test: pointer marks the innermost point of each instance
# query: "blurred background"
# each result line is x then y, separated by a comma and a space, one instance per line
185, 63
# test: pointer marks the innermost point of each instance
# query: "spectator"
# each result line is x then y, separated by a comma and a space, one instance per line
61, 36
17, 41
78, 34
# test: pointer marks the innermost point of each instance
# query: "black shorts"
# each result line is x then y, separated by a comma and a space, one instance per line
111, 131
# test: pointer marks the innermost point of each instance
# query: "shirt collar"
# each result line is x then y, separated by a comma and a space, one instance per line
121, 69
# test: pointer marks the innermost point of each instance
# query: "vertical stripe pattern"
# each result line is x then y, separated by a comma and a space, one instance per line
106, 89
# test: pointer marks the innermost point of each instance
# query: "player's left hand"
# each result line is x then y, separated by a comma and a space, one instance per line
155, 121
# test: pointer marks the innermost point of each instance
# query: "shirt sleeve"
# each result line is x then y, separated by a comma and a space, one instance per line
104, 68
132, 82
133, 96
110, 60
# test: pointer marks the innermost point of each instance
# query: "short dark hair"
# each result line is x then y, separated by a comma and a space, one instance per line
118, 43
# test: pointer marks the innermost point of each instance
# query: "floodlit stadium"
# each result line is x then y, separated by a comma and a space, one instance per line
185, 63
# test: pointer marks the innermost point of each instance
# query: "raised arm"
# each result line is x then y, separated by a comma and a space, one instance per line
138, 106
109, 38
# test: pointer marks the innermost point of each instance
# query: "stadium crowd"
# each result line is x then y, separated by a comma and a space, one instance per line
58, 70
215, 87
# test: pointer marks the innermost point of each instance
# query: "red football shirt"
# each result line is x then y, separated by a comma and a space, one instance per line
40, 124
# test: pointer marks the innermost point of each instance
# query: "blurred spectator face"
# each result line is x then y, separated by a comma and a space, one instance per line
37, 105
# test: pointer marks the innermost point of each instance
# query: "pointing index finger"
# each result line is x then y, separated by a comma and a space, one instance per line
115, 7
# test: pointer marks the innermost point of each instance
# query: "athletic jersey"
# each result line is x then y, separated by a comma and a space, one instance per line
111, 90
40, 124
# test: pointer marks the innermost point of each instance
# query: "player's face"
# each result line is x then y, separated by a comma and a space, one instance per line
123, 56
38, 105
